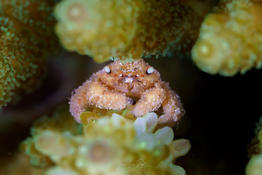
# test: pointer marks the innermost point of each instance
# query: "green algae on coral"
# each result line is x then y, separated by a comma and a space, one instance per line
26, 38
20, 69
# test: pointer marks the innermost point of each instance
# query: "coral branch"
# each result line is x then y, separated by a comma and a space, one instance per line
230, 39
125, 28
111, 145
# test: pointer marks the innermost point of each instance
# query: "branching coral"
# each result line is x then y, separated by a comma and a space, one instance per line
26, 38
110, 145
230, 39
134, 85
126, 28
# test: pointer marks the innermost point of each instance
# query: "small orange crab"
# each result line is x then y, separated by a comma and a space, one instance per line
135, 85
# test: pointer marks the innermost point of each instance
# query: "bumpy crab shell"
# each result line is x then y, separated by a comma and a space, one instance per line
135, 86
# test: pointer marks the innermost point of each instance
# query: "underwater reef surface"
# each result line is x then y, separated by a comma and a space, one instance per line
230, 38
26, 38
128, 29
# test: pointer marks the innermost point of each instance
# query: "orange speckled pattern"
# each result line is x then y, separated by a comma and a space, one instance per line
134, 85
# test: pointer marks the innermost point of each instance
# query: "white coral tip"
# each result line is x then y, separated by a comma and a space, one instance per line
140, 126
164, 135
116, 118
180, 147
147, 141
177, 170
147, 123
151, 121
60, 171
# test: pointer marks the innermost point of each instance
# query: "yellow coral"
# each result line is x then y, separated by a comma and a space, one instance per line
230, 39
125, 28
59, 122
110, 145
26, 38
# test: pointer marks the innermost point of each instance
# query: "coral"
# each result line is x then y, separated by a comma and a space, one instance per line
52, 124
20, 70
254, 166
109, 145
126, 28
34, 15
134, 85
230, 38
26, 39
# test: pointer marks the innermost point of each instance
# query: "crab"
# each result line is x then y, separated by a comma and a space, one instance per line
134, 85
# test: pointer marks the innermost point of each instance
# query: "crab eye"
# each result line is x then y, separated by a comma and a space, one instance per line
150, 70
107, 69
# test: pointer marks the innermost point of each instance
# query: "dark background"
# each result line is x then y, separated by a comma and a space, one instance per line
221, 113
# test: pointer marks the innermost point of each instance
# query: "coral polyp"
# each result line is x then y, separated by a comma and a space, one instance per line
110, 145
224, 45
26, 38
135, 86
125, 28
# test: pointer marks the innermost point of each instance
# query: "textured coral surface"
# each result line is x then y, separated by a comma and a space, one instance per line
26, 37
135, 85
230, 39
126, 28
109, 145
